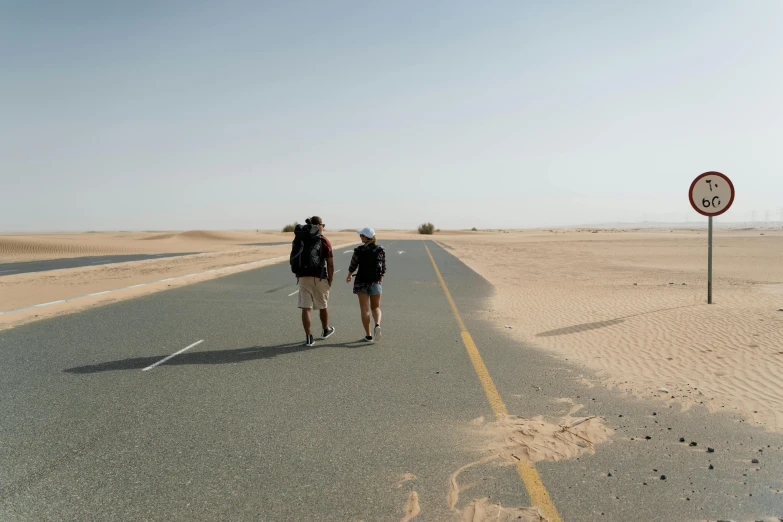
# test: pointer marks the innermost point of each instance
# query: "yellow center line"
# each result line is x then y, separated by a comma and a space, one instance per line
527, 472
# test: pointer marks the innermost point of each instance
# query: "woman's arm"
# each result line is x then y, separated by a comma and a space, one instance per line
382, 262
352, 266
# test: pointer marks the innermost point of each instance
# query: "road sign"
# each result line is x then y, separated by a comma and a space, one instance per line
711, 194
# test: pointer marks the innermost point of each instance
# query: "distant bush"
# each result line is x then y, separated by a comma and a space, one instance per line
427, 228
474, 229
291, 227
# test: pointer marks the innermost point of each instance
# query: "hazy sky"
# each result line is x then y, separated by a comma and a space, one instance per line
182, 115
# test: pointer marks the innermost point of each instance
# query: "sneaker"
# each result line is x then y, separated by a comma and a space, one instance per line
368, 338
309, 340
377, 332
328, 332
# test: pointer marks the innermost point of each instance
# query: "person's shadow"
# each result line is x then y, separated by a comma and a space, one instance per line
252, 353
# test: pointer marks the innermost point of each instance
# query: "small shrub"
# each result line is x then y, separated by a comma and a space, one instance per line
474, 229
427, 228
291, 227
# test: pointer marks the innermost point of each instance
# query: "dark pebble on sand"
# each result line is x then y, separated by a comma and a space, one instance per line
647, 437
692, 444
682, 439
663, 477
755, 461
710, 450
711, 467
609, 474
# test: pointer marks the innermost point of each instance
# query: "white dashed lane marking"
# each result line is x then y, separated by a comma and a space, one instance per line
172, 355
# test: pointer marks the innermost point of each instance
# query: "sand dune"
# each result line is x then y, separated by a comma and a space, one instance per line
206, 235
218, 250
158, 237
194, 235
33, 247
631, 306
45, 248
29, 247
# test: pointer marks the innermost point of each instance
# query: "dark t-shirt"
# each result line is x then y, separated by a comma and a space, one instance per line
326, 253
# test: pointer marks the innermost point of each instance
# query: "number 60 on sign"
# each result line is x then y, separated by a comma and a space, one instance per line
711, 194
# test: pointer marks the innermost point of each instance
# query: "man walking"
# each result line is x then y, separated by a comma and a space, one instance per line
312, 260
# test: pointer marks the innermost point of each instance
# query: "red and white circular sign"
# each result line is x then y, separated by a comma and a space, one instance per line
711, 194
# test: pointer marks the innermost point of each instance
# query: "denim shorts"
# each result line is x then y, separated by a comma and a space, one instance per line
372, 289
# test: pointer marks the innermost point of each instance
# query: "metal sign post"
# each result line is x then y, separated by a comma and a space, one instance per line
709, 261
711, 194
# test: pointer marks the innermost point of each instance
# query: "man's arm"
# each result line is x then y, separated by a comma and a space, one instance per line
330, 270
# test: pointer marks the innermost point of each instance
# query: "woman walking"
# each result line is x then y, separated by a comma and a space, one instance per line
370, 260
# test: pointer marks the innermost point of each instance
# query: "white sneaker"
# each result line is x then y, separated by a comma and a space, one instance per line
377, 332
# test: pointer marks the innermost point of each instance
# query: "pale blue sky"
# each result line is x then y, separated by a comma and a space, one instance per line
182, 115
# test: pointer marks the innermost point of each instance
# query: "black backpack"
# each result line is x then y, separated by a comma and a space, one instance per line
305, 257
369, 268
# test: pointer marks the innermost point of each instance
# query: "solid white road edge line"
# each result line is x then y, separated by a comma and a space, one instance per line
51, 303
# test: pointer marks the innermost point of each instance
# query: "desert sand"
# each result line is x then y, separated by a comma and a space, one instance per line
220, 250
628, 306
31, 247
631, 307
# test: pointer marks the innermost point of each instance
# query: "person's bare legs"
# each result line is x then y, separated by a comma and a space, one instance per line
375, 304
364, 305
324, 318
306, 320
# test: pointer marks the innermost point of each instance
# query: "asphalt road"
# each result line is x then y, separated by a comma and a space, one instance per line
75, 262
251, 425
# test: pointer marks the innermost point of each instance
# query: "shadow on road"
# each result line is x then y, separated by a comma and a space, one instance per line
252, 353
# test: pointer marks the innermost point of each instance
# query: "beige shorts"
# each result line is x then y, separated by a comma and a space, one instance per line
313, 292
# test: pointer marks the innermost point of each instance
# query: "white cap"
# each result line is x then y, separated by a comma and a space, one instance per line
366, 232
